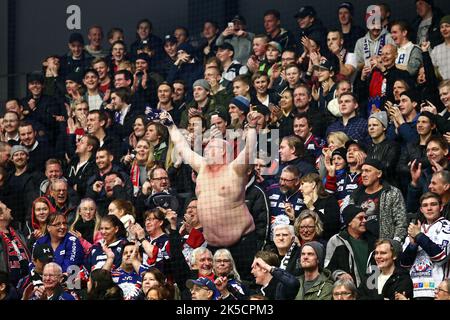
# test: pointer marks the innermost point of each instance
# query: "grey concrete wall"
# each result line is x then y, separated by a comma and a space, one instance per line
41, 30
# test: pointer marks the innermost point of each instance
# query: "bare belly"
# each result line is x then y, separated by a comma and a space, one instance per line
224, 226
221, 207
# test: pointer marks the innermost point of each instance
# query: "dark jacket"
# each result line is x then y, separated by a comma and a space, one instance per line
413, 150
340, 257
328, 210
429, 90
350, 38
258, 205
388, 153
119, 192
283, 286
434, 34
154, 42
317, 32
69, 65
188, 72
399, 281
285, 38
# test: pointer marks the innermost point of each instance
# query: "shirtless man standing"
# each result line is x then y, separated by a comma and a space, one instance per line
220, 185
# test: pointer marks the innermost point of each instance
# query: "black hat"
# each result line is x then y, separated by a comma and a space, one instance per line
411, 94
360, 145
76, 37
342, 152
377, 164
350, 212
43, 253
348, 6
170, 38
305, 11
186, 47
35, 76
75, 77
143, 56
224, 115
430, 2
163, 200
429, 115
240, 18
261, 108
326, 64
318, 249
226, 46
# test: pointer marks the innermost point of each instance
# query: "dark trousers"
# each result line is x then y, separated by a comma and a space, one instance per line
243, 254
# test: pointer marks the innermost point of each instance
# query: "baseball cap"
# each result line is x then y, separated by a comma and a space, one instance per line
170, 38
261, 108
240, 18
305, 11
348, 6
76, 37
43, 253
360, 145
275, 45
326, 64
203, 282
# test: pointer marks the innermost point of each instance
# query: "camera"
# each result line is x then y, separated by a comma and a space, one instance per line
133, 154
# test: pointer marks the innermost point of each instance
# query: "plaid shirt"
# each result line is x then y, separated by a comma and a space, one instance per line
356, 129
441, 59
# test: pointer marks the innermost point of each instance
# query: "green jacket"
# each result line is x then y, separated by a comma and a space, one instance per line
321, 290
210, 107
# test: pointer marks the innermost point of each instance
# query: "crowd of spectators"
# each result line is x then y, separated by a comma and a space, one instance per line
98, 202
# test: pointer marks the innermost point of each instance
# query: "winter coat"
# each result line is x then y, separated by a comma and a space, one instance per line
399, 281
392, 216
321, 290
258, 205
340, 257
388, 153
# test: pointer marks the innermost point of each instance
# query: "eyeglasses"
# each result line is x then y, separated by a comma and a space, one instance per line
59, 224
220, 261
162, 178
287, 180
151, 219
343, 294
307, 227
439, 290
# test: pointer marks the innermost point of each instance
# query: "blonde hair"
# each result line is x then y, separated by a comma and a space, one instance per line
78, 216
126, 65
444, 83
339, 136
305, 214
150, 160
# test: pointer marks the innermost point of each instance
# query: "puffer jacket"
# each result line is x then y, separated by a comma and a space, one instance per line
392, 217
321, 290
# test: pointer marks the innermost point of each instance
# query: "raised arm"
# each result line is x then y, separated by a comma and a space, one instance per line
189, 156
248, 155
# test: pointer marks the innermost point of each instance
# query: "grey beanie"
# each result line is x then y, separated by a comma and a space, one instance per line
202, 83
319, 249
18, 148
380, 116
